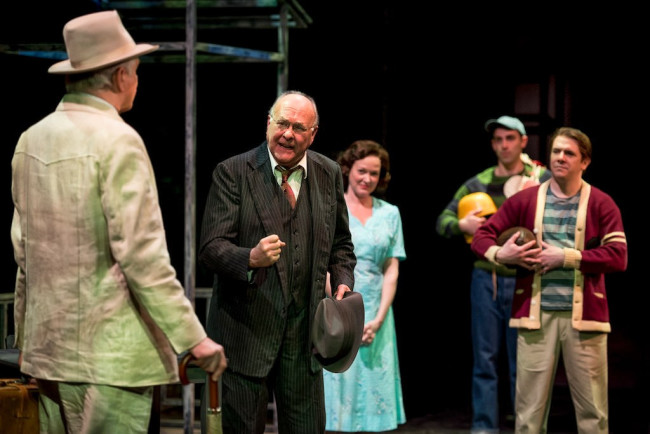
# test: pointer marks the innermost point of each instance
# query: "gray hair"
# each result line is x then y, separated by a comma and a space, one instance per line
96, 80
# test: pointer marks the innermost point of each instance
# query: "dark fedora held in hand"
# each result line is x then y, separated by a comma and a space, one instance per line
337, 330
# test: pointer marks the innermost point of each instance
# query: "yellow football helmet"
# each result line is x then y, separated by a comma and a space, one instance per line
474, 201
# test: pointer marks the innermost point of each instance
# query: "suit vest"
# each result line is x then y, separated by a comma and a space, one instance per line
297, 227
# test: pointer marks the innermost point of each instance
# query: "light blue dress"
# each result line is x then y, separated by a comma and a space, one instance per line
368, 396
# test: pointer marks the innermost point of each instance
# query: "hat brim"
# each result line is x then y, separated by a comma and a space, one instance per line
350, 312
65, 67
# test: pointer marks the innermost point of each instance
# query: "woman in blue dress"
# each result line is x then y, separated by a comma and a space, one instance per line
368, 396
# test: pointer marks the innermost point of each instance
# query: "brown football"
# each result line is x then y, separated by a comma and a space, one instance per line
525, 235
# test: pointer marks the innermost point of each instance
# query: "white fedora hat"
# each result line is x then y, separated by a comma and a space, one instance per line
95, 41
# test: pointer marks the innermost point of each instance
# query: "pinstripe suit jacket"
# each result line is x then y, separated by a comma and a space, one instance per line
247, 316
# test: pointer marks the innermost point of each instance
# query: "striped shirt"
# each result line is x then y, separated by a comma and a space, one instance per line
559, 225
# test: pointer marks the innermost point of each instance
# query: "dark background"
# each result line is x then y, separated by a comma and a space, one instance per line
422, 80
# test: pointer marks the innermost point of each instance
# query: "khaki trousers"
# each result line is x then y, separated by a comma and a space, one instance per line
584, 355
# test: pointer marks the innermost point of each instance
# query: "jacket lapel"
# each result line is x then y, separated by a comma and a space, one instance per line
263, 190
263, 186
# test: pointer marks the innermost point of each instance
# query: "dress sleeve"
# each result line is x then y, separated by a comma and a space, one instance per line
396, 248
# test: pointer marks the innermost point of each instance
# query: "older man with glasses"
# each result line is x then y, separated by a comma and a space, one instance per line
270, 246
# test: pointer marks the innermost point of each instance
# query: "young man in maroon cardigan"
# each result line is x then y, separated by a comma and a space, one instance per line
560, 302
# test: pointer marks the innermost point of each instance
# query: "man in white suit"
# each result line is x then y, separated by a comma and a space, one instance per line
100, 316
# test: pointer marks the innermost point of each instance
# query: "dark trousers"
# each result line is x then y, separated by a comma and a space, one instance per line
490, 330
298, 392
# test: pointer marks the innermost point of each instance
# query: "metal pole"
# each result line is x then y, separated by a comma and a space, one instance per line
283, 48
190, 184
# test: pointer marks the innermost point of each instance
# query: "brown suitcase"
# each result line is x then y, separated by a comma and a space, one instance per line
18, 407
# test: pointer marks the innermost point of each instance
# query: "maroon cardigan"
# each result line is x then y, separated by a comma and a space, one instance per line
600, 247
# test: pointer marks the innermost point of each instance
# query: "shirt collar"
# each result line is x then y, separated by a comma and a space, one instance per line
98, 99
89, 99
302, 162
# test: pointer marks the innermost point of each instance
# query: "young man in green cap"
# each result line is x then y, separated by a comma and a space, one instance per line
492, 286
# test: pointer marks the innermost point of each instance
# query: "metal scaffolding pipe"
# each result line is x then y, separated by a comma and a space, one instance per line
190, 187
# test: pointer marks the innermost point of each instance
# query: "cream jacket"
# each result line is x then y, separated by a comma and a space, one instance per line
96, 298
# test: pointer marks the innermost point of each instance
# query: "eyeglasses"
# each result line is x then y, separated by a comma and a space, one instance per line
284, 125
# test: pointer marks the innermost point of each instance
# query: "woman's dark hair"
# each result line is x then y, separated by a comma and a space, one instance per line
359, 150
